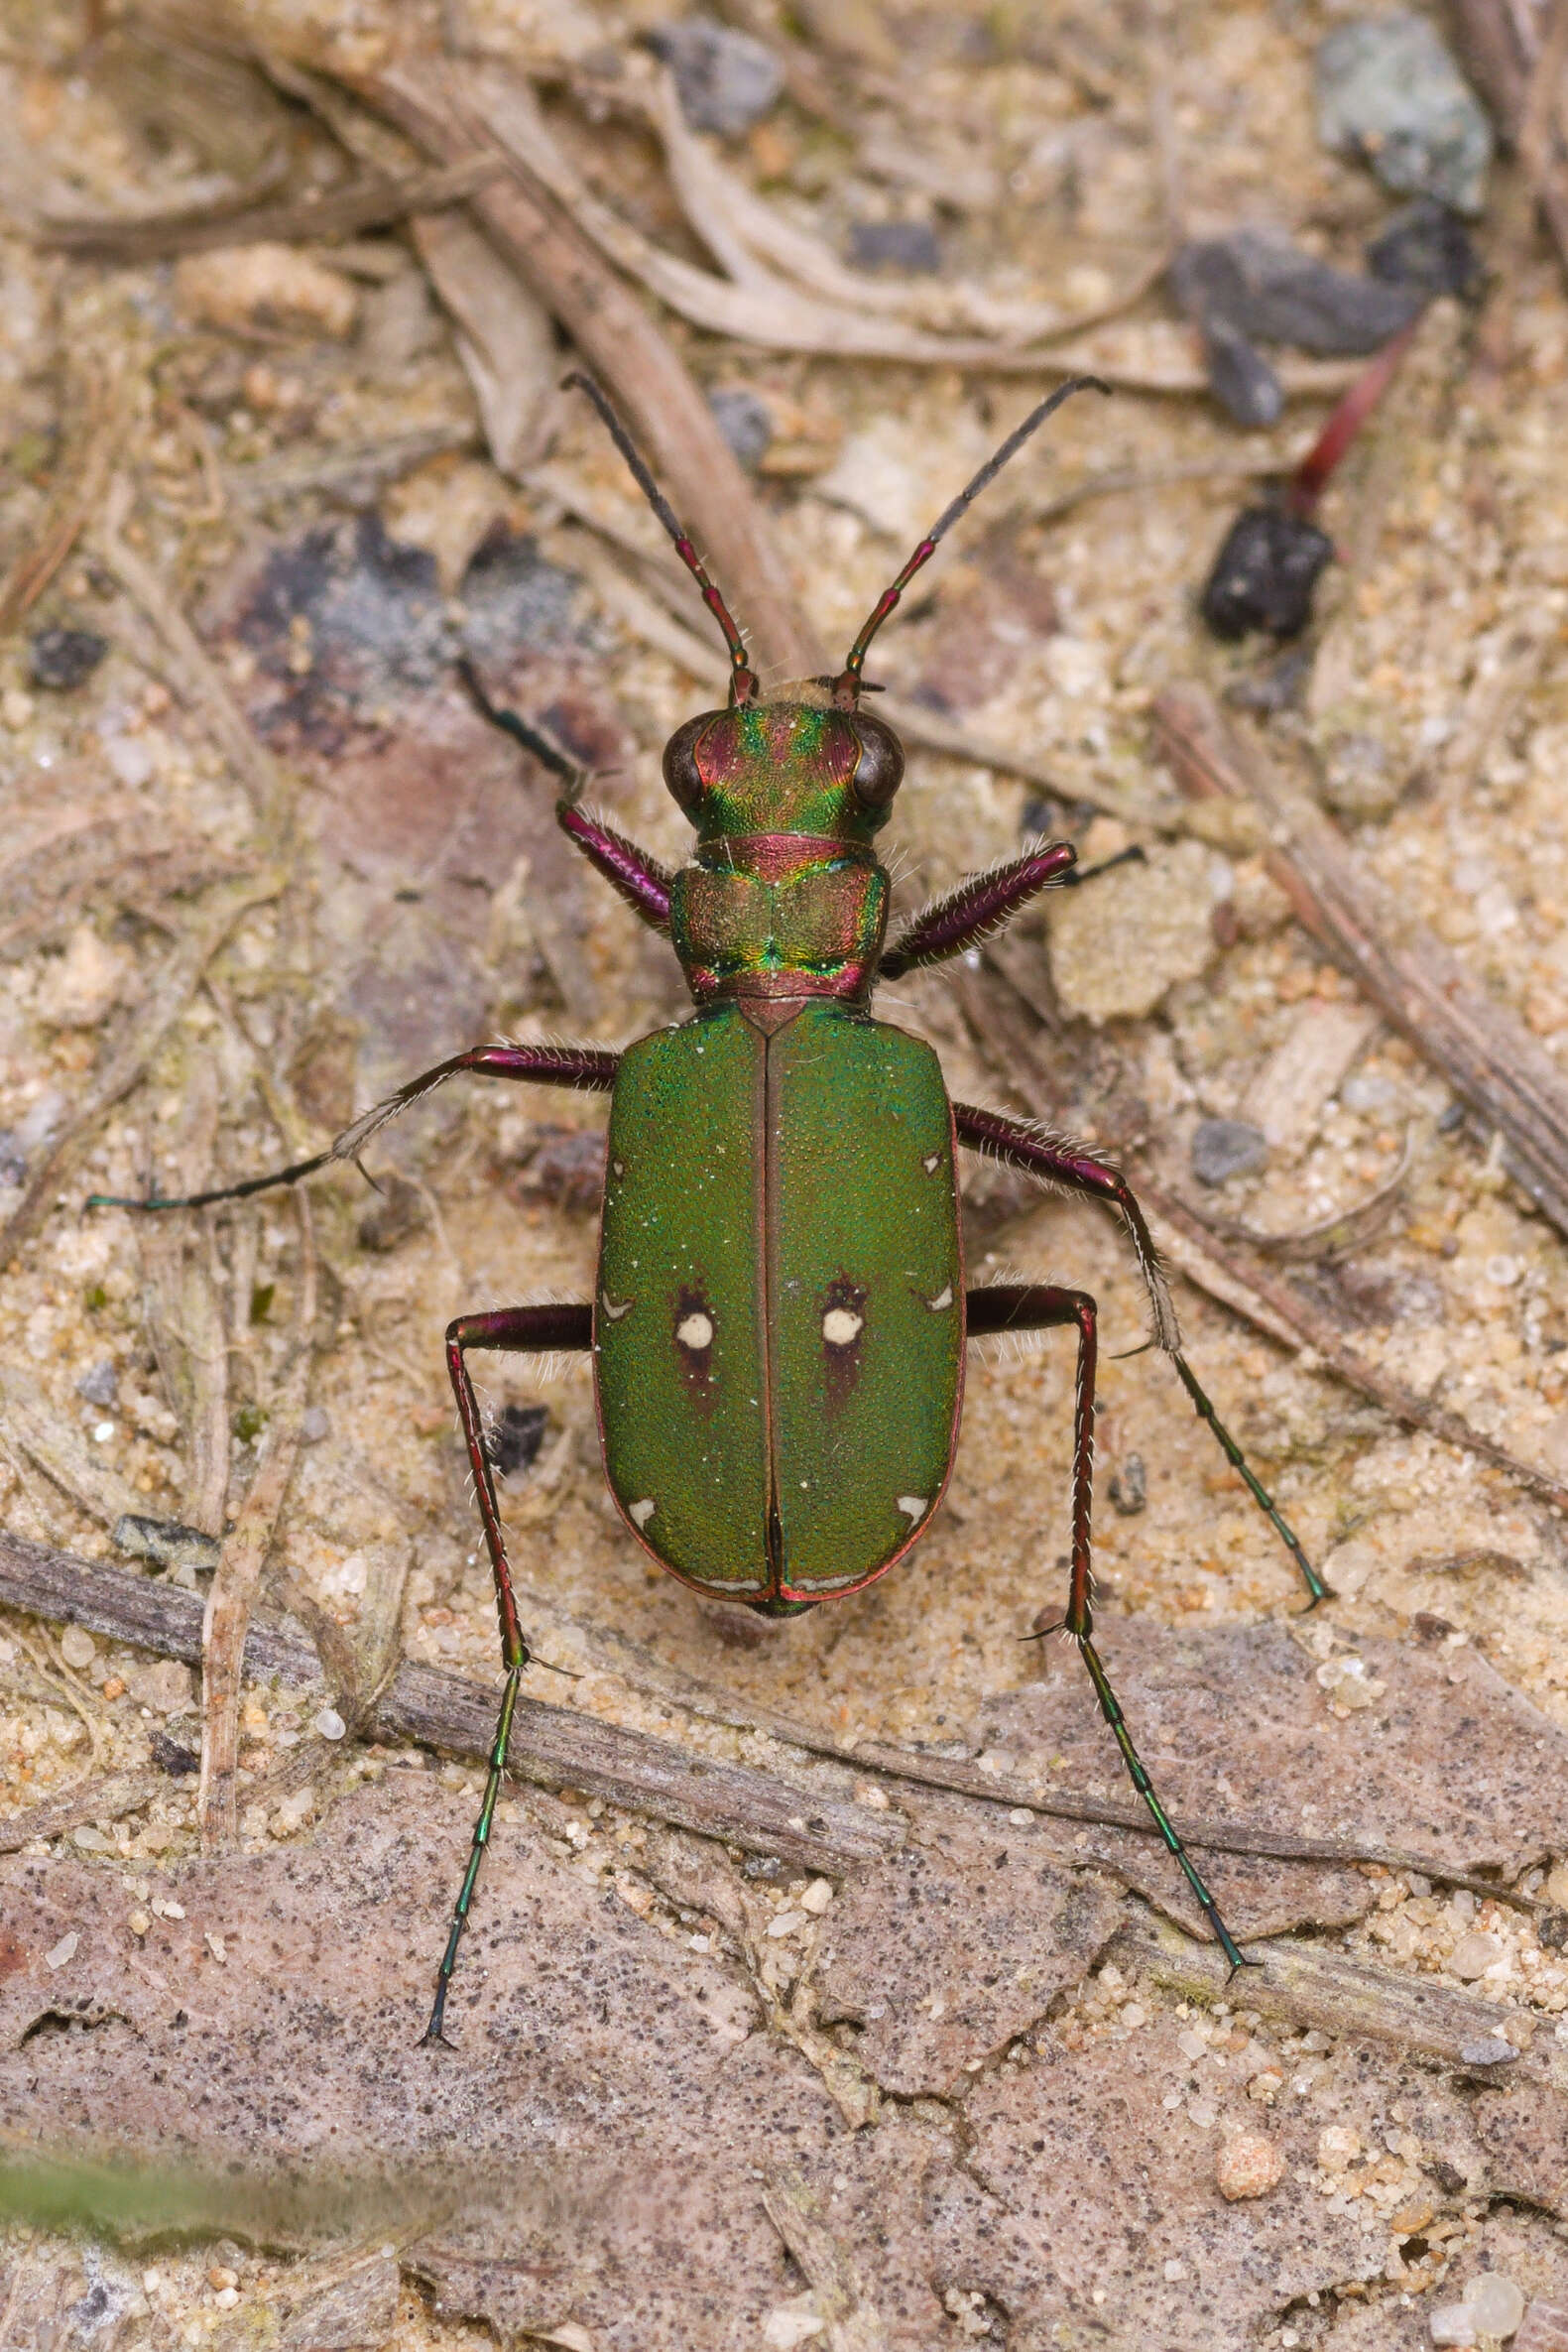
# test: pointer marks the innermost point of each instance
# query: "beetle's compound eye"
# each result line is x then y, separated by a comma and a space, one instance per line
681, 761
879, 769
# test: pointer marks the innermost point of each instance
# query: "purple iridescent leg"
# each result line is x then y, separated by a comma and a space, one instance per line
1058, 1161
515, 1330
587, 1067
1039, 1307
975, 908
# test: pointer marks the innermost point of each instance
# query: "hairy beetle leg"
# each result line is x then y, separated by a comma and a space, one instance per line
513, 1331
1038, 1306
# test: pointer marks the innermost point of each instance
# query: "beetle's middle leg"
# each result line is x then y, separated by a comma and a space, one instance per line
516, 1330
1069, 1167
1038, 1306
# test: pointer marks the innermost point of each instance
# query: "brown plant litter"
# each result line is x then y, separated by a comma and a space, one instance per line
824, 1987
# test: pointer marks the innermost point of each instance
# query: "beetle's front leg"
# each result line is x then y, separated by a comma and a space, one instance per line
515, 1330
1038, 1306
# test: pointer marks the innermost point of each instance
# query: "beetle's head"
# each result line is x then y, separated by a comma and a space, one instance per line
789, 767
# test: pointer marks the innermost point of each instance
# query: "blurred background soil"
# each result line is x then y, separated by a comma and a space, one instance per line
251, 881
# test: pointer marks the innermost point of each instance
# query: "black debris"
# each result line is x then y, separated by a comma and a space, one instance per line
1265, 286
1427, 245
167, 1542
1263, 575
513, 1440
1224, 1148
64, 658
170, 1757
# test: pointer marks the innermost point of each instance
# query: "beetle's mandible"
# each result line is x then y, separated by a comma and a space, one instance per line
781, 1314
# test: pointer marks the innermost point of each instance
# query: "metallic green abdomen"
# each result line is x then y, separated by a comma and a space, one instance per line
780, 1322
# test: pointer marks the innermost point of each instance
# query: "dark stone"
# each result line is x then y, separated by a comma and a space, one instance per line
170, 1757
1264, 573
1265, 286
101, 1385
725, 80
1551, 1931
566, 1166
13, 1159
1129, 1486
744, 423
1427, 245
1224, 1148
64, 658
1240, 378
908, 245
513, 1440
1275, 686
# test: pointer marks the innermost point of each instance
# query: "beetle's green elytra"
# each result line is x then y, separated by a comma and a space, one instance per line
780, 1320
779, 1326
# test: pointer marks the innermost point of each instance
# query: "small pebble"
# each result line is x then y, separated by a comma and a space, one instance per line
316, 1423
908, 245
16, 708
77, 1647
58, 1953
786, 1922
1338, 2147
745, 422
1496, 2304
1473, 1955
61, 658
167, 1542
1175, 2271
328, 1723
139, 1923
101, 1385
817, 1897
1129, 1486
1451, 2323
725, 79
1388, 91
1224, 1148
1241, 379
1494, 2051
1247, 2166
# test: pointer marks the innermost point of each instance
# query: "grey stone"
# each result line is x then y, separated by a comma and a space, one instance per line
1224, 1148
101, 1385
726, 80
1388, 91
1263, 285
1426, 244
745, 422
908, 245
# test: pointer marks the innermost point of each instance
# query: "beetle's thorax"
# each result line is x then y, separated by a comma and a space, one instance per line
784, 896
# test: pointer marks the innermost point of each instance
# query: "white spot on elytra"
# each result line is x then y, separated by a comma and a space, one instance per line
944, 1298
931, 1163
616, 1307
913, 1505
695, 1331
840, 1328
641, 1513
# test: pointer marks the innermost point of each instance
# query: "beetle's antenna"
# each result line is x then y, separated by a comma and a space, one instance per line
847, 686
743, 679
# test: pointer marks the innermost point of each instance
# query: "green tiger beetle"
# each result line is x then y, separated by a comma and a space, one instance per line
780, 1319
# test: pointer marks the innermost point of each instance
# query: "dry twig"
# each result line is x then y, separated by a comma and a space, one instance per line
238, 1575
1485, 1055
374, 201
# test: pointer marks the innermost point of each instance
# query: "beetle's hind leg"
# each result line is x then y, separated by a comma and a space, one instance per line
1069, 1167
514, 1330
1038, 1306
